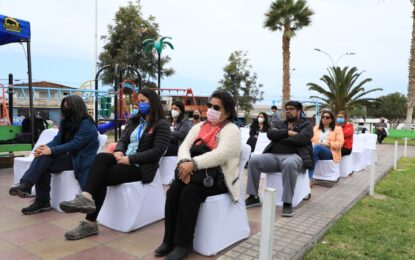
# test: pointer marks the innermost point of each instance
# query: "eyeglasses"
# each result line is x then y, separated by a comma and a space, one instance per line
290, 109
216, 107
325, 117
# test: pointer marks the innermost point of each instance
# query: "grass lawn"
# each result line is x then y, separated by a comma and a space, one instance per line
376, 228
401, 141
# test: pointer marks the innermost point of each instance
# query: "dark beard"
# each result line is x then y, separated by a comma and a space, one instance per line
292, 119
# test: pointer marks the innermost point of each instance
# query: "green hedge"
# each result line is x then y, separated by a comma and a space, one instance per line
401, 133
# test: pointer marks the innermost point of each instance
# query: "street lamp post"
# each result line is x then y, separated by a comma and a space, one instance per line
331, 59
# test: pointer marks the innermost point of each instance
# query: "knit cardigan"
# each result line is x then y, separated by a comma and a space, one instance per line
226, 155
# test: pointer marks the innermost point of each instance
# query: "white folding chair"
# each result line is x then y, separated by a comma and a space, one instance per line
132, 205
222, 222
166, 168
326, 170
64, 186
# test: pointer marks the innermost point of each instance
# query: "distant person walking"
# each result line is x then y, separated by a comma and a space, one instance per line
275, 117
381, 130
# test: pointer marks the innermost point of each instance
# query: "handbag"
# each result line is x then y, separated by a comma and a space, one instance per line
205, 177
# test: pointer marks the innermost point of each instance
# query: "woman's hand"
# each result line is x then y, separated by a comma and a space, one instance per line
118, 155
185, 170
123, 160
42, 150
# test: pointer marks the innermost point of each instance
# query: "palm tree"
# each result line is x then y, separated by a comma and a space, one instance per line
288, 16
343, 91
411, 81
158, 45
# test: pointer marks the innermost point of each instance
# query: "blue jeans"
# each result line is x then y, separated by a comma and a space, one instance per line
320, 152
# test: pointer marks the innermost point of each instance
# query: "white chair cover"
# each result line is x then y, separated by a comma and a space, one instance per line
166, 168
359, 143
129, 206
370, 149
221, 222
261, 143
326, 170
21, 164
346, 165
301, 191
64, 186
244, 134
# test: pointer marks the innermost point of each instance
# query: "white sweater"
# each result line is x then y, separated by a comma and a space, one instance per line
226, 155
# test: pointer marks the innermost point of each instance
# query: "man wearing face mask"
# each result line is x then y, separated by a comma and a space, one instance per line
179, 128
289, 152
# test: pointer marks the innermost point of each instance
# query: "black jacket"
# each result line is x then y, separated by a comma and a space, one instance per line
300, 143
180, 132
153, 144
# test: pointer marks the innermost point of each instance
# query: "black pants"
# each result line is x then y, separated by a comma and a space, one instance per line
381, 135
106, 172
181, 211
346, 151
39, 173
172, 150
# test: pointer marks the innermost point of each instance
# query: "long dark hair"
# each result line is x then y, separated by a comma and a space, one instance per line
156, 109
255, 123
180, 105
332, 125
70, 125
227, 102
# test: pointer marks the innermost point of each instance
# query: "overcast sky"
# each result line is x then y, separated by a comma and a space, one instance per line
205, 32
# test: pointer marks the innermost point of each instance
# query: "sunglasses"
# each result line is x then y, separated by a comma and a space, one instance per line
216, 107
325, 117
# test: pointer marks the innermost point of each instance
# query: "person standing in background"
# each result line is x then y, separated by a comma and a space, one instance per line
275, 117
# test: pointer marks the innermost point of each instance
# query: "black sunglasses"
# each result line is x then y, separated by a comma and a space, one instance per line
216, 107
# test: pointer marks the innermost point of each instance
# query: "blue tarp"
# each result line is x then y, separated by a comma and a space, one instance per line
13, 30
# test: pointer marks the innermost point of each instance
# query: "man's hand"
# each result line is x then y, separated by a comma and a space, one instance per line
42, 150
292, 133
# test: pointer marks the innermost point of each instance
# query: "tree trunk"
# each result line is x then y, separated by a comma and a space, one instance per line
285, 67
411, 83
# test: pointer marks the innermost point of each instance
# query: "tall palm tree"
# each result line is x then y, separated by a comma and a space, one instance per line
411, 81
158, 45
341, 90
288, 16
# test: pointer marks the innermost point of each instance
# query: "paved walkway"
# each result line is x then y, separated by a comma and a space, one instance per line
41, 236
293, 237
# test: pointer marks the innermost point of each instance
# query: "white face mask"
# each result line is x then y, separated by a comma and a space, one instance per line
175, 113
260, 120
213, 116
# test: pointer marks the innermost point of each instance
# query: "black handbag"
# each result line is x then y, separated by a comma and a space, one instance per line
205, 177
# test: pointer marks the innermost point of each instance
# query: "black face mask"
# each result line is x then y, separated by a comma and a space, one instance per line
66, 112
196, 117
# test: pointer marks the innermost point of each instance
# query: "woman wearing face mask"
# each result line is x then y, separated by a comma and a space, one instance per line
348, 131
196, 117
179, 128
260, 125
208, 165
327, 141
73, 148
136, 158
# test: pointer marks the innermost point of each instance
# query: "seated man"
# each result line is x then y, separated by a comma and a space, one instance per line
289, 152
381, 131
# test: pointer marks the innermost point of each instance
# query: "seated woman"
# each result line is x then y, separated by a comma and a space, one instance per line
179, 128
260, 125
136, 158
342, 120
211, 150
327, 141
73, 148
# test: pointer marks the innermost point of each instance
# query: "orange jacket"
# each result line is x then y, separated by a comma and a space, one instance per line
335, 139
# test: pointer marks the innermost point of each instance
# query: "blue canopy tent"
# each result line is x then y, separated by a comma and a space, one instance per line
14, 30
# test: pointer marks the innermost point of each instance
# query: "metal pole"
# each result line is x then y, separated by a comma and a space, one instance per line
405, 147
96, 37
31, 113
395, 156
11, 98
267, 224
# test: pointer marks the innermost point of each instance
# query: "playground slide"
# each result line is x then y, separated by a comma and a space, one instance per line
103, 128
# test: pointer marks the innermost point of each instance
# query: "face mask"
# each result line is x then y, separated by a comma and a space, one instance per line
174, 114
66, 112
213, 115
260, 120
340, 120
196, 117
144, 108
134, 112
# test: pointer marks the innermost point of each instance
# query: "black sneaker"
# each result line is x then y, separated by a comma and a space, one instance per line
23, 190
36, 207
287, 210
252, 201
